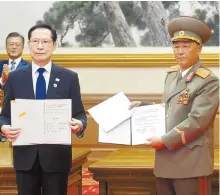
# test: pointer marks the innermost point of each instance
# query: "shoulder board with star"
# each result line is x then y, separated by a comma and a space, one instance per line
202, 72
173, 69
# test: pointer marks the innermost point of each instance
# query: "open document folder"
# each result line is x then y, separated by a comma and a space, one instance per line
111, 112
42, 121
145, 122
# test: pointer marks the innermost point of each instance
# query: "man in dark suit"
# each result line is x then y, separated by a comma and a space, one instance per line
184, 157
14, 48
42, 169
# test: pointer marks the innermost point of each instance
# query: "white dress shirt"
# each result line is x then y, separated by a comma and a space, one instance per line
185, 71
46, 74
17, 61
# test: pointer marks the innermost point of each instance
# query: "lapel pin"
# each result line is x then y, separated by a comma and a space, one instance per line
55, 85
57, 79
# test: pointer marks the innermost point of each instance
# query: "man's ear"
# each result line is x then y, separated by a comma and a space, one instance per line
29, 45
54, 46
199, 49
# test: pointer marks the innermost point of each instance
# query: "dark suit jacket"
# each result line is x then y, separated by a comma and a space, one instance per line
19, 85
22, 63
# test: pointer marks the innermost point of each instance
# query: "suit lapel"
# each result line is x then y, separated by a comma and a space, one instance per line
183, 83
173, 83
53, 84
179, 87
27, 78
21, 63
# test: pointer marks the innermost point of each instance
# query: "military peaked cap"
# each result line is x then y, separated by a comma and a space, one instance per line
189, 28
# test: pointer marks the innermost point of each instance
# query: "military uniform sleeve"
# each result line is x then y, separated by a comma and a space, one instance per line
203, 110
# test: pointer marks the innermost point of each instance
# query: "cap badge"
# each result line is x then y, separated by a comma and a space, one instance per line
181, 33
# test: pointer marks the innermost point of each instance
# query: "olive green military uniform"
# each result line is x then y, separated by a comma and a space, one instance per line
191, 105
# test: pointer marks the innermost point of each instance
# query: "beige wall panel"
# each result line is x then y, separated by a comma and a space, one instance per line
129, 80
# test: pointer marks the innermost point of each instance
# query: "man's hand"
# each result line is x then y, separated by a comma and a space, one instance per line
11, 133
5, 72
75, 125
6, 68
134, 104
155, 142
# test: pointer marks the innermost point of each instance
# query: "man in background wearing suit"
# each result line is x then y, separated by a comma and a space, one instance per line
42, 169
185, 154
14, 48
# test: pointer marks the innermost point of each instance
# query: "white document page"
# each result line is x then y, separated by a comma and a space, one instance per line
28, 115
120, 134
41, 121
57, 116
111, 112
147, 121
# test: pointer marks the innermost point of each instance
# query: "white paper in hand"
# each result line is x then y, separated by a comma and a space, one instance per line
148, 121
121, 134
111, 112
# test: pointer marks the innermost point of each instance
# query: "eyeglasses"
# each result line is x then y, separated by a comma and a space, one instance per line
10, 44
45, 43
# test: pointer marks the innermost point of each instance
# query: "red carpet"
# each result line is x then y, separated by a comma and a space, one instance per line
89, 186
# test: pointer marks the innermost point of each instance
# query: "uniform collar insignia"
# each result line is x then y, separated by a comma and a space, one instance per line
189, 76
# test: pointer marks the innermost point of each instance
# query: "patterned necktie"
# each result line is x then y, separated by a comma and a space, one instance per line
41, 85
13, 65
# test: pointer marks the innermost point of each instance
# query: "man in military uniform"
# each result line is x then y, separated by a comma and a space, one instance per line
185, 154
